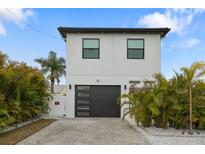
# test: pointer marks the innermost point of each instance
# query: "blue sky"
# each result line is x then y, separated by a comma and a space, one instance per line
182, 46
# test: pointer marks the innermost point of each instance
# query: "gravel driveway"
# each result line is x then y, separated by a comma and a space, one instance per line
87, 131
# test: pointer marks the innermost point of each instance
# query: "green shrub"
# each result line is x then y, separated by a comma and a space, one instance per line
167, 102
23, 92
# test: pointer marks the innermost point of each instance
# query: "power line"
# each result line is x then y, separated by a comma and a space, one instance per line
32, 27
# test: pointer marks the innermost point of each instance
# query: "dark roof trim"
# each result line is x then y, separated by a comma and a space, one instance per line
161, 31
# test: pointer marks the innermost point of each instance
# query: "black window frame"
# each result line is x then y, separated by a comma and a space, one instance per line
83, 56
136, 48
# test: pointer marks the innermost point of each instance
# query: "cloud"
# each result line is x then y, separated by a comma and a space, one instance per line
2, 30
190, 42
21, 17
176, 19
185, 44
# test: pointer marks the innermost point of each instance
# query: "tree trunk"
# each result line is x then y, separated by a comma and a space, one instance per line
52, 82
190, 111
52, 86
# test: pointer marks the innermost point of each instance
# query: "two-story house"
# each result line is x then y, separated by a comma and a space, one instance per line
102, 63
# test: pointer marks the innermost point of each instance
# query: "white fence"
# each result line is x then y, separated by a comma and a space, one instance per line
57, 105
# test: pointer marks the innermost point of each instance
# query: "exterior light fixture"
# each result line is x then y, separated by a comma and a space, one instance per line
70, 86
125, 87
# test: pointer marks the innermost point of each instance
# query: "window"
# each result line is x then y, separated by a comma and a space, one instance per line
81, 94
135, 48
83, 87
91, 48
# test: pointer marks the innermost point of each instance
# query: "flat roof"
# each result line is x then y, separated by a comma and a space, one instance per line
64, 30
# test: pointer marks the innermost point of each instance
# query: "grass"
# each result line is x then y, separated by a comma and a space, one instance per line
14, 136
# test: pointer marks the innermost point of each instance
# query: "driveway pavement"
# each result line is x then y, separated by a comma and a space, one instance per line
87, 131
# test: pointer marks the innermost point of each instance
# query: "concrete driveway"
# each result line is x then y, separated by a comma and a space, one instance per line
87, 131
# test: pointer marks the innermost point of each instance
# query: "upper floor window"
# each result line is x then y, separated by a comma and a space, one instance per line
135, 48
91, 48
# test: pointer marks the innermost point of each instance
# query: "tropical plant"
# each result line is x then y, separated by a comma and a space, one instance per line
131, 106
3, 59
196, 71
198, 93
23, 92
138, 105
53, 66
177, 92
164, 97
177, 102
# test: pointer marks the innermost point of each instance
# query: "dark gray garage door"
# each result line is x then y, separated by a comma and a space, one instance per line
97, 101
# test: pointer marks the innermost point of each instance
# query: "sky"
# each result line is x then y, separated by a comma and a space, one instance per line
182, 46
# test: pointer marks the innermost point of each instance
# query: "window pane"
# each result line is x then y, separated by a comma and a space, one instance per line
90, 53
89, 43
136, 53
80, 94
136, 44
83, 107
83, 87
82, 102
83, 114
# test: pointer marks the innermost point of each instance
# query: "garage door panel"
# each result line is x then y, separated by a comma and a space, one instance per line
101, 101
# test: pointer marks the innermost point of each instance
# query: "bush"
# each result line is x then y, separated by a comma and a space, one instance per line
166, 103
23, 92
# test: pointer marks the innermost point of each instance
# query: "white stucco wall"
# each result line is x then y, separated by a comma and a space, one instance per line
113, 67
113, 56
57, 110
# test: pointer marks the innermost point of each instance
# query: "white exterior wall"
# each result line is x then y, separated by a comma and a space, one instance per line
113, 67
57, 110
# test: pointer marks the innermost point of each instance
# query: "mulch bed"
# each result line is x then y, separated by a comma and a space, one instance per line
14, 136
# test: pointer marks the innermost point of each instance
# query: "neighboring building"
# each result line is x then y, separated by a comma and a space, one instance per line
102, 63
60, 90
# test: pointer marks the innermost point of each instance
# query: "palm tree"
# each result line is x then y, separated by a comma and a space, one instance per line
196, 71
3, 59
53, 66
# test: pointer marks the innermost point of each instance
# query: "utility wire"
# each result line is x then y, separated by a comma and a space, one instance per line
32, 27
